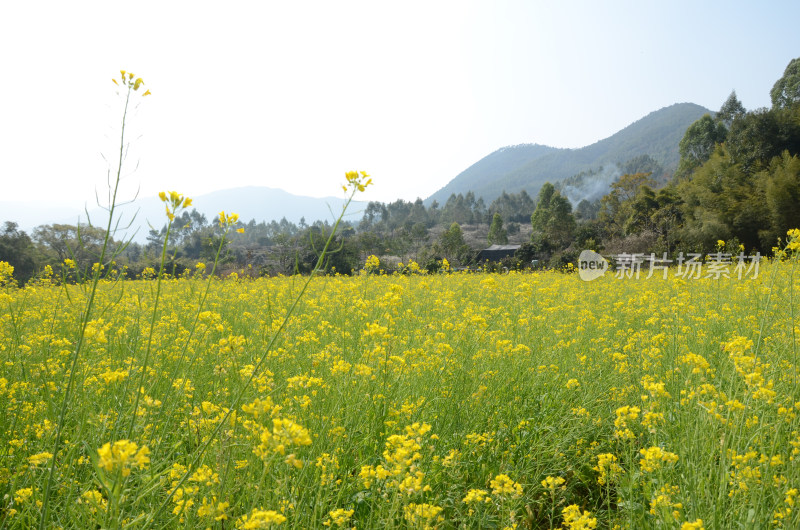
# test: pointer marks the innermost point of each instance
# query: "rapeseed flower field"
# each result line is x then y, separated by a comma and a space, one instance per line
454, 400
470, 400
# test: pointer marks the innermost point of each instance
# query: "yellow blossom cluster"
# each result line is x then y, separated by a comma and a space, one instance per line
129, 80
122, 456
173, 201
607, 468
654, 457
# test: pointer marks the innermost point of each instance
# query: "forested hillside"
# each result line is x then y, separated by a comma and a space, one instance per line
517, 168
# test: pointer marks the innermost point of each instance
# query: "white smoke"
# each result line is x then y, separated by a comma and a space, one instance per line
592, 187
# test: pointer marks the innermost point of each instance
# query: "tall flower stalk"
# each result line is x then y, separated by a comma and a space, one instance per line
357, 181
130, 85
172, 202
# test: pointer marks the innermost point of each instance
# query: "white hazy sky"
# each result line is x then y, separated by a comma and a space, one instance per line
292, 94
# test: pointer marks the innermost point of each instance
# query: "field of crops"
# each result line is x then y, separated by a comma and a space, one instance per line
521, 400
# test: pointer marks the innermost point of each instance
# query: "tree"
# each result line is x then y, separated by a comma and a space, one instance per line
17, 249
155, 239
419, 233
513, 207
457, 210
552, 222
722, 200
642, 208
786, 90
451, 243
667, 219
343, 255
616, 208
627, 186
541, 214
80, 243
497, 234
642, 164
761, 135
698, 143
730, 111
587, 211
370, 243
561, 227
782, 192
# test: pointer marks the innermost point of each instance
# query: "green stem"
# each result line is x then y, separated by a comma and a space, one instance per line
194, 328
153, 317
256, 371
84, 322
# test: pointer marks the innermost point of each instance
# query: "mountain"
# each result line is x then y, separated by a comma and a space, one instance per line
528, 166
250, 202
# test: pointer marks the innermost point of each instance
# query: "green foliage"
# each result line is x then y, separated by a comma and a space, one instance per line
552, 222
731, 110
722, 201
497, 234
617, 213
667, 218
698, 143
586, 211
759, 136
541, 215
642, 164
514, 207
82, 244
17, 249
747, 189
463, 209
786, 90
452, 246
782, 194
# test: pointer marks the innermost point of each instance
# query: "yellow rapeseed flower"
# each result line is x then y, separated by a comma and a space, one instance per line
553, 483
653, 457
476, 495
6, 272
259, 518
121, 456
22, 495
503, 486
575, 520
339, 517
426, 515
607, 467
358, 180
39, 458
226, 220
173, 201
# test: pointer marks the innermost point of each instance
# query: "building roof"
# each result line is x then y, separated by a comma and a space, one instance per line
503, 247
497, 252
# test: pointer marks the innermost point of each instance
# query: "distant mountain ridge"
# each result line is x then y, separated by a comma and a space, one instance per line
528, 166
511, 169
258, 203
